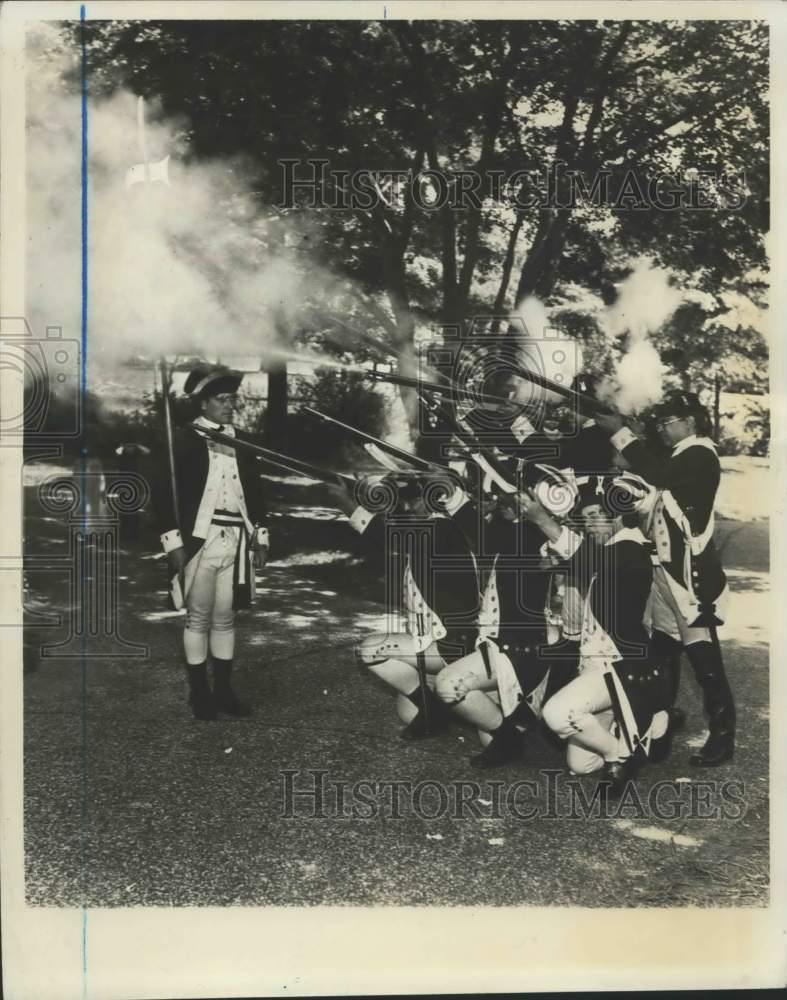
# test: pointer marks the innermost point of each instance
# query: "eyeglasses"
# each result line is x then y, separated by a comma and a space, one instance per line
669, 420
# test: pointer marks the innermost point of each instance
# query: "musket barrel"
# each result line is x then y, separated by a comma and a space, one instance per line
405, 456
293, 464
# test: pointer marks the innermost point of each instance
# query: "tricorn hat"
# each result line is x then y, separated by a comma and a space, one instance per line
211, 380
678, 403
624, 493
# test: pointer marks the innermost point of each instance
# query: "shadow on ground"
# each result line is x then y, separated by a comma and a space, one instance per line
130, 802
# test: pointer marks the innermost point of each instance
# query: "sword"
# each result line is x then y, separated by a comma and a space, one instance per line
617, 708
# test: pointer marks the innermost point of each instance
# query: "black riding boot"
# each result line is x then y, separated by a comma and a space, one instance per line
705, 658
438, 713
226, 699
201, 700
505, 746
667, 651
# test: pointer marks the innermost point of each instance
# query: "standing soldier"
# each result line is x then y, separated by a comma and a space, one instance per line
212, 537
689, 582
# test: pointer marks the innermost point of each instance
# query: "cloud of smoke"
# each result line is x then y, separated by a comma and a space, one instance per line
645, 301
193, 267
545, 349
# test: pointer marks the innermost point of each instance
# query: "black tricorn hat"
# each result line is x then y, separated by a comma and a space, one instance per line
211, 380
622, 493
678, 403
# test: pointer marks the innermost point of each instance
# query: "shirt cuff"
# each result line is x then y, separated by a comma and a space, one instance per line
262, 536
360, 519
567, 543
456, 501
171, 540
623, 438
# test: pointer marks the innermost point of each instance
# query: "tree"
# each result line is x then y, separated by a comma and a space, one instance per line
620, 102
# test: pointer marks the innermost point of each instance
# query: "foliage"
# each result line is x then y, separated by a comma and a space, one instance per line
759, 424
637, 99
346, 396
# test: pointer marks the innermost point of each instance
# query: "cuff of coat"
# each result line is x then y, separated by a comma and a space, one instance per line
262, 536
360, 519
567, 543
456, 501
623, 438
171, 540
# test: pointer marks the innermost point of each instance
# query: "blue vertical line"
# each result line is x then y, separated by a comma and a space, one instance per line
82, 562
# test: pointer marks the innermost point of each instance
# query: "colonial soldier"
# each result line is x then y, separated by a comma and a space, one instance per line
212, 538
424, 541
512, 660
587, 451
610, 713
689, 582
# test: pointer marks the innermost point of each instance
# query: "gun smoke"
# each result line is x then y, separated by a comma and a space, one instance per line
193, 266
646, 300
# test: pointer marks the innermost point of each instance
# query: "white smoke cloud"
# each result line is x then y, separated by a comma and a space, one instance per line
646, 300
193, 267
545, 348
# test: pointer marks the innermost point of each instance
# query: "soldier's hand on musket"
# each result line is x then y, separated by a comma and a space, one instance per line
609, 422
177, 565
260, 552
531, 508
342, 496
177, 560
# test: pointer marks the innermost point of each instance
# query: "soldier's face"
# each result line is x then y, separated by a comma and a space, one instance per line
598, 524
219, 408
675, 429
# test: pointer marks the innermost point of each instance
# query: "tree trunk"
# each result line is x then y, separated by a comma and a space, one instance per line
276, 409
508, 266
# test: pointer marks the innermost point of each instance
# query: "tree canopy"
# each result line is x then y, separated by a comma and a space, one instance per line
620, 103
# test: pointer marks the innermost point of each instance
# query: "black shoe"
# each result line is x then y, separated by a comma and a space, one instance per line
225, 699
432, 722
616, 776
677, 720
504, 747
719, 748
201, 702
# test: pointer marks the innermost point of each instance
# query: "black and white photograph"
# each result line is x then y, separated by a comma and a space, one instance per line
386, 416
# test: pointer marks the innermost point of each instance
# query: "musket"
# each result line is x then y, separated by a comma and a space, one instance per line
278, 458
582, 400
165, 387
391, 449
448, 388
481, 455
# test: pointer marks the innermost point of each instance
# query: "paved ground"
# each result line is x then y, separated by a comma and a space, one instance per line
130, 802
